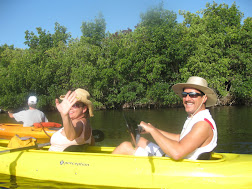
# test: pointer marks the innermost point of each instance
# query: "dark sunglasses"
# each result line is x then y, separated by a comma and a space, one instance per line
77, 105
191, 94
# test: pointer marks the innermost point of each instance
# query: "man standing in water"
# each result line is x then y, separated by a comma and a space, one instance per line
199, 133
30, 116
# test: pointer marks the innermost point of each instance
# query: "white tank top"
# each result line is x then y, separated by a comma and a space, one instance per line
203, 115
60, 142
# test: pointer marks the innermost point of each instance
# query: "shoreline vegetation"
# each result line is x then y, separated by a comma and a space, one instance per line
127, 106
133, 68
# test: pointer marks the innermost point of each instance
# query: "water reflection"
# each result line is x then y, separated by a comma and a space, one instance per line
234, 129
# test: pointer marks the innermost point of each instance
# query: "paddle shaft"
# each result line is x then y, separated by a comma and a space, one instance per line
37, 146
134, 132
131, 130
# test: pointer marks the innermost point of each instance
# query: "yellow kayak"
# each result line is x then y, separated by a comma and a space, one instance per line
98, 167
8, 130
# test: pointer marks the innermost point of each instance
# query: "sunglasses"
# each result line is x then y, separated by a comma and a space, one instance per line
77, 105
191, 94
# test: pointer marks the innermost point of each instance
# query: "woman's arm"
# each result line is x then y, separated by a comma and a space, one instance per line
71, 131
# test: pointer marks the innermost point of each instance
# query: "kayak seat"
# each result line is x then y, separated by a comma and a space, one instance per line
205, 156
77, 148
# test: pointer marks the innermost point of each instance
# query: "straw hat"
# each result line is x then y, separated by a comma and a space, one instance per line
83, 96
199, 84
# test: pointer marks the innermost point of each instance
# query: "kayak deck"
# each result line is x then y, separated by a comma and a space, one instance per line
98, 167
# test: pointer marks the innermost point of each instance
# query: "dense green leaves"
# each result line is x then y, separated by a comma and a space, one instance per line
45, 40
220, 53
133, 68
94, 32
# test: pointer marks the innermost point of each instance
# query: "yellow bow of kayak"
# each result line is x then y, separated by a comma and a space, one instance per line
98, 167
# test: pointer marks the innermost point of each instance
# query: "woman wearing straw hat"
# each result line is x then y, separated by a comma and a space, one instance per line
75, 110
199, 133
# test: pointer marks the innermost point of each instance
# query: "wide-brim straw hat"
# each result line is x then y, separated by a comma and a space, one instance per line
83, 96
199, 84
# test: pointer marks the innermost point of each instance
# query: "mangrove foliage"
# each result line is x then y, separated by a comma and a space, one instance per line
133, 67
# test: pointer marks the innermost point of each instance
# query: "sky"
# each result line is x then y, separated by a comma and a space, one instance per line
17, 16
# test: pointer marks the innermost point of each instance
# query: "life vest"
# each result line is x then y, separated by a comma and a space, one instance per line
46, 124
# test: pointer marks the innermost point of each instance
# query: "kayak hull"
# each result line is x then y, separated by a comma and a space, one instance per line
98, 167
8, 130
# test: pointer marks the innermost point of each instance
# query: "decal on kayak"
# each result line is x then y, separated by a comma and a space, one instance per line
62, 162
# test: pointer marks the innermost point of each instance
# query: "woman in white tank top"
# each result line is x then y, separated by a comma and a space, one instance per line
75, 110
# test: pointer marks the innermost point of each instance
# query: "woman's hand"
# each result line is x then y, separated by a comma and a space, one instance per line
65, 106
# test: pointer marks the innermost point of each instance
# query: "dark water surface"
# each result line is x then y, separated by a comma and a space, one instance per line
234, 126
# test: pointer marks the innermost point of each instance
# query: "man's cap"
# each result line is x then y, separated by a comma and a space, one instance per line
32, 100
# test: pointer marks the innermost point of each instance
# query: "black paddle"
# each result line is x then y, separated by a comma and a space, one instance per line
134, 130
37, 146
98, 135
131, 132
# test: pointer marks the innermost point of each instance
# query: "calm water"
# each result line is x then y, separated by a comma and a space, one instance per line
234, 133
